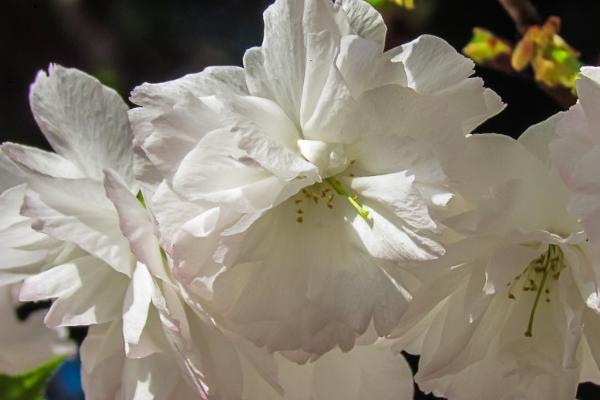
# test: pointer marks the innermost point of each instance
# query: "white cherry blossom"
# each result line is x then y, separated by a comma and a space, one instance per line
294, 187
79, 197
147, 337
576, 154
513, 313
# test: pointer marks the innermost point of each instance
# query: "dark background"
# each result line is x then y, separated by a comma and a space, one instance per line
127, 42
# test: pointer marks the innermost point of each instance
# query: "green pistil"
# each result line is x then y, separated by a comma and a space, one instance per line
339, 189
551, 262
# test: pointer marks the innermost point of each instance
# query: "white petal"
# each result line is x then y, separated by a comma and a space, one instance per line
221, 80
174, 133
441, 120
136, 224
172, 211
84, 121
290, 287
364, 66
574, 140
536, 139
107, 374
10, 175
364, 20
24, 250
101, 342
333, 111
399, 226
251, 175
372, 371
87, 291
153, 377
432, 65
42, 161
77, 211
321, 49
588, 90
136, 304
276, 71
217, 360
591, 330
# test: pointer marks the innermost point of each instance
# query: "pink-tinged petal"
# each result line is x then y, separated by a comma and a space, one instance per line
136, 224
77, 211
42, 161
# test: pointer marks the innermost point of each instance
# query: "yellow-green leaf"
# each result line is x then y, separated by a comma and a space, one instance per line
553, 61
485, 46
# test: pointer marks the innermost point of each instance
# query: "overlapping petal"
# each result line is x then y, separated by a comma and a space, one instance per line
322, 103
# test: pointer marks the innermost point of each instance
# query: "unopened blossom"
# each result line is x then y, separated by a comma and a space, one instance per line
294, 187
513, 313
576, 155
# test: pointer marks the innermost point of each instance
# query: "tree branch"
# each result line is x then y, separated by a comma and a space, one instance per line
522, 12
562, 96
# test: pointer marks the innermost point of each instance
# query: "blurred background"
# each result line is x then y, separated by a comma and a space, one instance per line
127, 42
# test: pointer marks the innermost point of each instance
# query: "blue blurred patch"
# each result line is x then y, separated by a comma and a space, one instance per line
66, 383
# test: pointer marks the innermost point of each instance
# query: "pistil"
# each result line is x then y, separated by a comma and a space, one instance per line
549, 264
352, 199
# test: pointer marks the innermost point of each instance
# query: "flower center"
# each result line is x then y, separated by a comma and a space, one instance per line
538, 278
331, 160
325, 193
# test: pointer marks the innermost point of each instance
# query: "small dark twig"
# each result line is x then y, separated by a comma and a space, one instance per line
523, 13
562, 96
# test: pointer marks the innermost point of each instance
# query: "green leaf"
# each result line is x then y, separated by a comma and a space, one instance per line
376, 3
484, 46
29, 385
409, 4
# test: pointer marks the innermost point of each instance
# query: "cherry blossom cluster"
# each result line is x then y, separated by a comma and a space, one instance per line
286, 229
